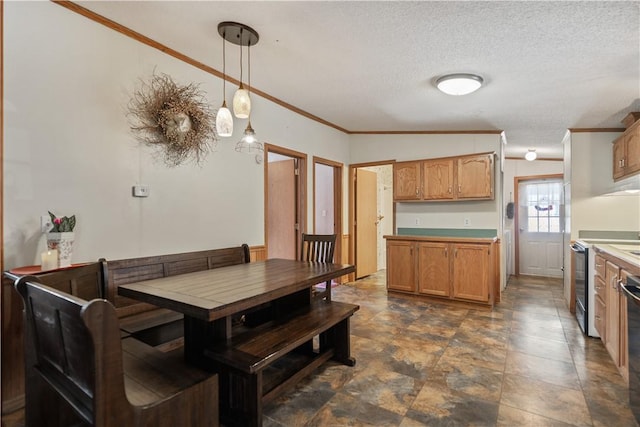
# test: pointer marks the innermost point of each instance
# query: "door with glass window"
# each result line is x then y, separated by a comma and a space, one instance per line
540, 216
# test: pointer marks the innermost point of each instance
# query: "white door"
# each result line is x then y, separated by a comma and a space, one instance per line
540, 216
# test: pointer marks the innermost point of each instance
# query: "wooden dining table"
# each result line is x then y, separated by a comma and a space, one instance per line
240, 319
209, 299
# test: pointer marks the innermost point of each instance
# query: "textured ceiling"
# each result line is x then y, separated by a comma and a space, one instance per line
370, 66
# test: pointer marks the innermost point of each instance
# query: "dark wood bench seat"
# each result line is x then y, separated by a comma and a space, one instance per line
250, 361
151, 375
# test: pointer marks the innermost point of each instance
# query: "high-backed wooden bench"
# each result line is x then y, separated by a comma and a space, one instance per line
160, 327
77, 351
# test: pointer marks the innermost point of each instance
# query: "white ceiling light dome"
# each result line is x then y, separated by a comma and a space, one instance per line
531, 155
459, 83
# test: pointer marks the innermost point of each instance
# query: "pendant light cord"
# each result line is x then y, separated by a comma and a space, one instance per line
224, 67
249, 66
240, 56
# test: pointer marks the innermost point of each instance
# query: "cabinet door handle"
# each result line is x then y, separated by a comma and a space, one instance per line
459, 188
449, 190
445, 252
623, 162
416, 191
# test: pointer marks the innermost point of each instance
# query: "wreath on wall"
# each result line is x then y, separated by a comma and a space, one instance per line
173, 118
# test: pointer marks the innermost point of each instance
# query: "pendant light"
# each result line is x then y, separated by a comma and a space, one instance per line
531, 154
242, 35
249, 143
241, 100
224, 121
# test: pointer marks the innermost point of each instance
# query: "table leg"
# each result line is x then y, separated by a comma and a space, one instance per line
198, 334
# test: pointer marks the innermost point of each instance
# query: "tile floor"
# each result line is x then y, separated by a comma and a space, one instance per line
526, 363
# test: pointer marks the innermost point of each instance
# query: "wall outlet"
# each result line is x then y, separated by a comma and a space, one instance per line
417, 221
140, 191
45, 223
467, 222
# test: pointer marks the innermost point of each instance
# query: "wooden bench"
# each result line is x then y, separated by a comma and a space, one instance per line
263, 362
79, 359
160, 327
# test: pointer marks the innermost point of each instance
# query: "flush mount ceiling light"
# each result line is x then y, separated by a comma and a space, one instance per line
459, 84
242, 35
531, 155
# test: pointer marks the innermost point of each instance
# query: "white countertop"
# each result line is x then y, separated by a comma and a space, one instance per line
622, 251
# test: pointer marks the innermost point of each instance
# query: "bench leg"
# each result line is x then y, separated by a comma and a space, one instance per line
339, 337
240, 398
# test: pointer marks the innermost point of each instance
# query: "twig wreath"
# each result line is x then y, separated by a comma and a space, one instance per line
175, 118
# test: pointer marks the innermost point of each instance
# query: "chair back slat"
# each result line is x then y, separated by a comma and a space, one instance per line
318, 247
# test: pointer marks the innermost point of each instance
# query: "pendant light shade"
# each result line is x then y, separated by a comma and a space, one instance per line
241, 103
224, 121
249, 143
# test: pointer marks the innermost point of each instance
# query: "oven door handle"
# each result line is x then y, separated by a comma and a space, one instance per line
577, 249
630, 294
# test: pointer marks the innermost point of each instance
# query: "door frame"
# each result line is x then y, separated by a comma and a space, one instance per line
301, 204
352, 206
337, 201
516, 226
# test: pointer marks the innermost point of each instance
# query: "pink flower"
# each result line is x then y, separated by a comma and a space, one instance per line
57, 221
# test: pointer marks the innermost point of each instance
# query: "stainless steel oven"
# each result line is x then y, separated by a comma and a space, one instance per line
631, 290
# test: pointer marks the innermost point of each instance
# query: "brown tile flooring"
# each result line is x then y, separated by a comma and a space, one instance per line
526, 363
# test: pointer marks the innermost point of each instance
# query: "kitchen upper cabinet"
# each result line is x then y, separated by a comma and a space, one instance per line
407, 181
433, 269
626, 153
471, 268
475, 177
401, 266
448, 178
438, 179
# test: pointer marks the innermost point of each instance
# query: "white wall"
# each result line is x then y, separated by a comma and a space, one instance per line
68, 147
591, 160
482, 214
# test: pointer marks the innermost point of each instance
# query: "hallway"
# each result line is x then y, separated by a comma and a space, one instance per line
526, 363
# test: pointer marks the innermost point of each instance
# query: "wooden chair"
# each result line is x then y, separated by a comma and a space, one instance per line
79, 354
319, 248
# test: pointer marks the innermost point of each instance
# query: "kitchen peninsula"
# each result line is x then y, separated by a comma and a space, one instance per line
448, 268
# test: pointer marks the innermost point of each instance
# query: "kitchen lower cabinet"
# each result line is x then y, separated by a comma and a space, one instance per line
471, 272
461, 269
611, 319
401, 272
433, 269
612, 323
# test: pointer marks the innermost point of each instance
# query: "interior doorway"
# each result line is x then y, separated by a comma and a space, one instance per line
327, 200
539, 221
371, 215
285, 208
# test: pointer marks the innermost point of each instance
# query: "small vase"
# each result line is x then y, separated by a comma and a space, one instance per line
63, 242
